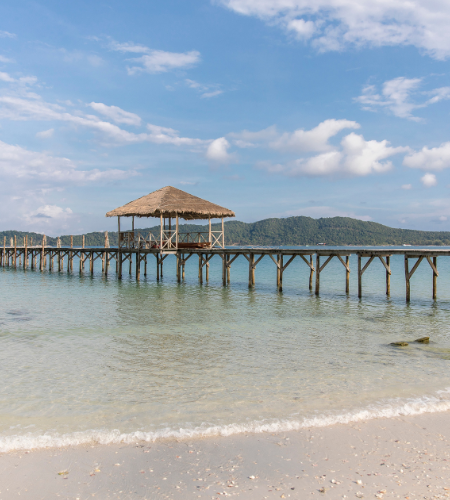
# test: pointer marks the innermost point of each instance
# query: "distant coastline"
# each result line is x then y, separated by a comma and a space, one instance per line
333, 231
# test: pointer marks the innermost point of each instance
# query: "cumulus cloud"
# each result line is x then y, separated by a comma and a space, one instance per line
396, 97
339, 24
429, 159
356, 157
4, 59
45, 134
315, 139
116, 114
249, 139
429, 180
218, 151
406, 186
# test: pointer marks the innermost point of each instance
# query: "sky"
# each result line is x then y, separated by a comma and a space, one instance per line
271, 108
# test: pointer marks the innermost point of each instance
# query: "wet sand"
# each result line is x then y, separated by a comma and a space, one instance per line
406, 457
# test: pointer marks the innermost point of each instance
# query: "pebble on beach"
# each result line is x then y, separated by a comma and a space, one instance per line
423, 340
399, 344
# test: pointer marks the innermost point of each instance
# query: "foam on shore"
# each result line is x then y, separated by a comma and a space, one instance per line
391, 409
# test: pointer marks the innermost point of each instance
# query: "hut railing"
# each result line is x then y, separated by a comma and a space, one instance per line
135, 240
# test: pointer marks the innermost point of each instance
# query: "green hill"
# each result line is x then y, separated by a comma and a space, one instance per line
289, 231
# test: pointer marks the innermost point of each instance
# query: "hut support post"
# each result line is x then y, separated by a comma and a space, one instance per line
210, 233
207, 271
82, 255
200, 267
119, 253
178, 232
280, 288
223, 234
311, 272
228, 269
4, 252
434, 278
161, 232
157, 266
178, 268
145, 265
91, 262
15, 252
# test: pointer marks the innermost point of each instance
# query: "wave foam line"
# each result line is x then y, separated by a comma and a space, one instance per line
429, 404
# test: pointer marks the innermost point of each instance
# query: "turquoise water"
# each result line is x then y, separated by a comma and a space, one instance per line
96, 359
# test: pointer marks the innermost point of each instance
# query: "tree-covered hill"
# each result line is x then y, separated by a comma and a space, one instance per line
289, 231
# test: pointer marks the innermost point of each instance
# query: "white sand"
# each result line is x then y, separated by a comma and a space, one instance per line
406, 457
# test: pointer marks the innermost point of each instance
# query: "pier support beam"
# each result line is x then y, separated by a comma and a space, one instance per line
347, 275
317, 273
388, 276
407, 278
359, 277
435, 279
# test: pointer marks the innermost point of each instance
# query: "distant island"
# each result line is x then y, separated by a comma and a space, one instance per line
289, 231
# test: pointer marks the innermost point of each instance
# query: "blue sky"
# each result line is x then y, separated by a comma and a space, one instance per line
271, 108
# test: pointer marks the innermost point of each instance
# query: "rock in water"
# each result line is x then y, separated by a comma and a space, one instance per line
399, 344
423, 340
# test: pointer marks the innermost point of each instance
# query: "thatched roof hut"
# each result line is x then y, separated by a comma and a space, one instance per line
171, 202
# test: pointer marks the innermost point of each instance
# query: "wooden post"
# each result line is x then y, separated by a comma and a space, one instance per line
210, 233
157, 266
388, 276
71, 254
200, 267
251, 262
317, 273
50, 261
408, 287
359, 277
184, 267
15, 251
347, 275
434, 279
91, 262
4, 251
161, 232
131, 262
25, 253
223, 234
138, 265
178, 268
311, 273
119, 254
82, 255
42, 253
161, 260
207, 269
228, 269
177, 238
280, 289
58, 245
224, 269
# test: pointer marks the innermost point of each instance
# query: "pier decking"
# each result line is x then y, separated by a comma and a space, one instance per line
52, 258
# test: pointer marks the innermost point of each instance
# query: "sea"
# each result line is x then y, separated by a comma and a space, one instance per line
92, 359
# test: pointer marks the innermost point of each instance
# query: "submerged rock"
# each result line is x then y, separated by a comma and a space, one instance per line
423, 340
399, 344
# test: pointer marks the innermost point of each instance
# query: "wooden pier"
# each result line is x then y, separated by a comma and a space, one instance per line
42, 257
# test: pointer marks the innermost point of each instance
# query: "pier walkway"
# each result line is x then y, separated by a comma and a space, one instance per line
52, 258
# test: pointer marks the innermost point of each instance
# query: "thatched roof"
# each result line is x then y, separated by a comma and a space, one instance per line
169, 202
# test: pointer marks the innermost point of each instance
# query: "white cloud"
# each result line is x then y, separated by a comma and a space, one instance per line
116, 114
407, 186
4, 59
248, 139
315, 139
356, 157
429, 180
429, 159
45, 134
19, 109
5, 77
36, 168
206, 91
339, 24
396, 97
6, 34
75, 56
213, 93
50, 212
218, 151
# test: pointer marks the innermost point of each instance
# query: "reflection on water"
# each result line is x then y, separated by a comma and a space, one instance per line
81, 353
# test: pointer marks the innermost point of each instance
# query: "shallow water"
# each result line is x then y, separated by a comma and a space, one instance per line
92, 358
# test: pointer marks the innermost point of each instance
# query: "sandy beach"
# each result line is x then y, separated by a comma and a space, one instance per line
407, 457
